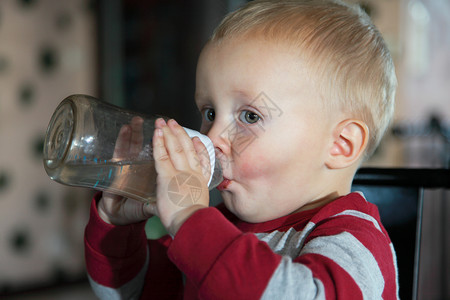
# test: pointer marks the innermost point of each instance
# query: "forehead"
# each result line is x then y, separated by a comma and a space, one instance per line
252, 47
250, 61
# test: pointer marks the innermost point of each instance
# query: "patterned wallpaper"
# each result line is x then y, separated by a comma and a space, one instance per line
47, 51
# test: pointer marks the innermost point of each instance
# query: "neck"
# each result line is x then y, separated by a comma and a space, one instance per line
319, 202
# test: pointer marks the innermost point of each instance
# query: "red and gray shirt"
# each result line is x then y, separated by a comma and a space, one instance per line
338, 251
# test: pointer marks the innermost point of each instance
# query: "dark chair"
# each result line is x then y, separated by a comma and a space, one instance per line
398, 193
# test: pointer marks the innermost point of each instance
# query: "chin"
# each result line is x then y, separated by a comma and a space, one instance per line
246, 214
237, 208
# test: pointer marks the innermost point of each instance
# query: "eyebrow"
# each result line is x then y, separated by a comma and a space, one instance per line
239, 92
245, 95
201, 97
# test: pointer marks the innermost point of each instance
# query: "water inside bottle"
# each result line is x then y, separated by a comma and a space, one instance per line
136, 180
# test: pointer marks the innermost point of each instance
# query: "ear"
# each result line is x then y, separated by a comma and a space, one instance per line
350, 139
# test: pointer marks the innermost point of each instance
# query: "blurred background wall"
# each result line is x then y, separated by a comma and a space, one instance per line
48, 50
142, 55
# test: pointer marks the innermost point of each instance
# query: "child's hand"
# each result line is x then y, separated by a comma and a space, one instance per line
182, 175
115, 209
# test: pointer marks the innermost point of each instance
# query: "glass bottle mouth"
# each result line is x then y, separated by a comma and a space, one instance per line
59, 135
216, 176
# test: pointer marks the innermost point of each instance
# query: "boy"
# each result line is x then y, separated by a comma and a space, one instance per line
289, 227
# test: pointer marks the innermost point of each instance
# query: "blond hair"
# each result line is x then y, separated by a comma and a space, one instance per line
342, 45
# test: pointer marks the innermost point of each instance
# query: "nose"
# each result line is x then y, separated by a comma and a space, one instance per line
220, 137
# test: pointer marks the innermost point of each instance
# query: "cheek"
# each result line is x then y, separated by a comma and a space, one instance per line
253, 166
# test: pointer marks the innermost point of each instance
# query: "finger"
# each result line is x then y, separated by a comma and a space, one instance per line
163, 164
122, 147
191, 152
137, 136
160, 123
173, 135
202, 158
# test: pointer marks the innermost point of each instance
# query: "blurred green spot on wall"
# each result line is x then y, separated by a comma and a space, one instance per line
38, 146
26, 3
42, 202
48, 59
20, 240
63, 21
4, 64
26, 94
4, 180
70, 204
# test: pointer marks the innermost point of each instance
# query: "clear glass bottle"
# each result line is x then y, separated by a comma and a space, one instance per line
79, 149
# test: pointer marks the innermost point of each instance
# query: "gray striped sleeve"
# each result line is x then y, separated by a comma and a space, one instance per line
351, 255
130, 290
295, 281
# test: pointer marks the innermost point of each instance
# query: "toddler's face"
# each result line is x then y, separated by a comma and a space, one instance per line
266, 119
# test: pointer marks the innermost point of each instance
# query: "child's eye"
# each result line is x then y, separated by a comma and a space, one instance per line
209, 114
249, 117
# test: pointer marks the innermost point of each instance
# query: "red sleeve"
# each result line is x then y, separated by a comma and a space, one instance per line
211, 251
114, 254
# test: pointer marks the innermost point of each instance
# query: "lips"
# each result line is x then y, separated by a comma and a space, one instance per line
224, 184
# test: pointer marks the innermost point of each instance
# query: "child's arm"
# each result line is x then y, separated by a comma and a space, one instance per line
118, 261
116, 257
